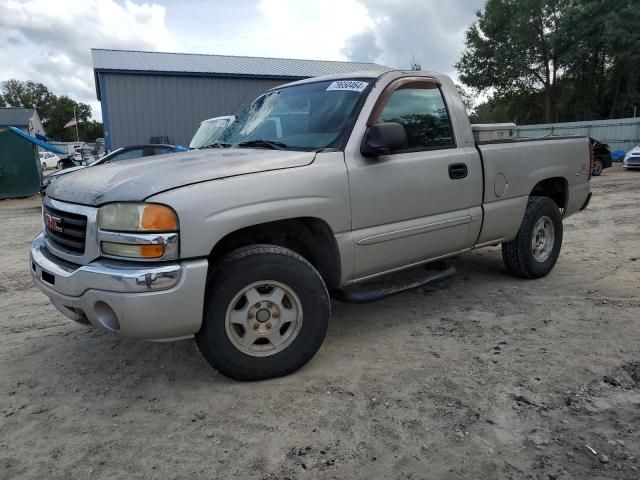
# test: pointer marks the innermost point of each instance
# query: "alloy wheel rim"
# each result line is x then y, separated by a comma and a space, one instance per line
263, 318
598, 167
542, 239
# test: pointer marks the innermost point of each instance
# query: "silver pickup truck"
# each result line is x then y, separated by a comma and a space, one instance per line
317, 188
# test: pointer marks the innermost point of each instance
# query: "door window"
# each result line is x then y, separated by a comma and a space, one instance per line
421, 110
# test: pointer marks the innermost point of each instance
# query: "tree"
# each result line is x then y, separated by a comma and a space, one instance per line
54, 111
554, 60
514, 47
61, 112
28, 95
90, 130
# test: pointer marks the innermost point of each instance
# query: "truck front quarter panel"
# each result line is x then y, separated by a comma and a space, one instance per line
209, 211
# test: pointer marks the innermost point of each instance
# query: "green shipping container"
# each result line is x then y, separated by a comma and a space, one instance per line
20, 169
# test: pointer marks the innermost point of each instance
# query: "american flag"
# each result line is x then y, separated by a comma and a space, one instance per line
70, 123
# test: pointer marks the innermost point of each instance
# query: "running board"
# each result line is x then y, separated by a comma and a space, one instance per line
372, 294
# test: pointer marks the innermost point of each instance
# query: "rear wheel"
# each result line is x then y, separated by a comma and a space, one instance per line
535, 250
266, 313
44, 168
597, 168
60, 165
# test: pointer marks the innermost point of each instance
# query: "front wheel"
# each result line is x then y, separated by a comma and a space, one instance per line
535, 250
266, 314
60, 165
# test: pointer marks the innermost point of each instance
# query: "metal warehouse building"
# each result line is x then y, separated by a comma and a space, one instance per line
150, 94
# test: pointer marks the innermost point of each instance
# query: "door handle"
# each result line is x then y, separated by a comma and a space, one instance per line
458, 171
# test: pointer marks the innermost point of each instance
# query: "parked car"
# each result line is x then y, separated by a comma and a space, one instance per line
49, 160
318, 187
632, 158
77, 159
90, 152
209, 131
125, 153
601, 156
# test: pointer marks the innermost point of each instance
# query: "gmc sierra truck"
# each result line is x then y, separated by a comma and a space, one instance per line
317, 188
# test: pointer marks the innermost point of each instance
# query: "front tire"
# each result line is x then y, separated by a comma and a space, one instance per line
266, 314
535, 250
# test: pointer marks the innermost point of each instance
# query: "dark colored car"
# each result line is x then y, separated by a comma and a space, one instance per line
601, 156
124, 153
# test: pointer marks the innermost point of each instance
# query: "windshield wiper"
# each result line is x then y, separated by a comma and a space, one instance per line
217, 145
264, 143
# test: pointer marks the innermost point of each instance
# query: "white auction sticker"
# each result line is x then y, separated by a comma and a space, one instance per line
350, 85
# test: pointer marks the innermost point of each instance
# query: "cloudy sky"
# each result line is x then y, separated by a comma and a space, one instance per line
48, 41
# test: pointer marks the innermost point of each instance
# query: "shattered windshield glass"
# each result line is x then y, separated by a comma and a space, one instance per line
309, 116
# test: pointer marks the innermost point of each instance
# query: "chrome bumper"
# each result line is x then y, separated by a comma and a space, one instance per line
153, 302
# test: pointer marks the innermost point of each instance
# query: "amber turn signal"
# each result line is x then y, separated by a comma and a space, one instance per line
158, 218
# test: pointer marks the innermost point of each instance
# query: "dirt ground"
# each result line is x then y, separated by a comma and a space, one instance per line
483, 377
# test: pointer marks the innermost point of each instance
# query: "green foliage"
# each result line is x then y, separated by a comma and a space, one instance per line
554, 60
54, 111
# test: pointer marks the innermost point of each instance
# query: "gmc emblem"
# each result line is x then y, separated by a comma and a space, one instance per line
52, 222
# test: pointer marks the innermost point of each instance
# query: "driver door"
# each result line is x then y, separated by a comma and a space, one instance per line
412, 205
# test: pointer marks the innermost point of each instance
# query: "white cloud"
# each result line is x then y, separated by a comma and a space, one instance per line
50, 41
304, 29
429, 32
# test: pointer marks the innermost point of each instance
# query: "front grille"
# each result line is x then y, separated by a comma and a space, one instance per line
71, 229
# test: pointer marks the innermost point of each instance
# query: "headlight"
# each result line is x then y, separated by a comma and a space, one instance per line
137, 217
145, 231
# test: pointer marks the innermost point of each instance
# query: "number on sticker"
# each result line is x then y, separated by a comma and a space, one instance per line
349, 85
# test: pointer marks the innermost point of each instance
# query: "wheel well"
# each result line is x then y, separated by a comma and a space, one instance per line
554, 188
311, 238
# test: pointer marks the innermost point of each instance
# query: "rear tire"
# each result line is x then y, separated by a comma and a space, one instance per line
266, 314
597, 168
60, 165
535, 250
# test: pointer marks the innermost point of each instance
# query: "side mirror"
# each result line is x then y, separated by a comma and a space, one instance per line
382, 139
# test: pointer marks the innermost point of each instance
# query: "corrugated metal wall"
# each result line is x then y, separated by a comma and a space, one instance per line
137, 107
620, 134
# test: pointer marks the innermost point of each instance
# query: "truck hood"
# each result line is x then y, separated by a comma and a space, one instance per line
136, 180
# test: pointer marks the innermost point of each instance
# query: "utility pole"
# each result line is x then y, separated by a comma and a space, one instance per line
76, 120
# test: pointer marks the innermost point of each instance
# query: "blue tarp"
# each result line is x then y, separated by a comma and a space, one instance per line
36, 141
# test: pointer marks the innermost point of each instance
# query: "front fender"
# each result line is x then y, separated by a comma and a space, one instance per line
211, 210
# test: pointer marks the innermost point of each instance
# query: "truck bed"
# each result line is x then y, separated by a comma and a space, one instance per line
512, 166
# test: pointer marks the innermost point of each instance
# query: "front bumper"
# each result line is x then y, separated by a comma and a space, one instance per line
152, 302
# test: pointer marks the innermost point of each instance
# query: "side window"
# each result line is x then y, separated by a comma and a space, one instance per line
129, 154
422, 112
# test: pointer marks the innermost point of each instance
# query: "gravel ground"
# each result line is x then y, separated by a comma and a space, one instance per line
484, 377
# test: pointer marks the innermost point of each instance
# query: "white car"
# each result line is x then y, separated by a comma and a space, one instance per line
632, 158
209, 131
49, 160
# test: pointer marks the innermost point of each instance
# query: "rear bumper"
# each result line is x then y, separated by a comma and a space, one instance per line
152, 302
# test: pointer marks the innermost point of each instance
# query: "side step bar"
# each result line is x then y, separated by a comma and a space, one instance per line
378, 292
